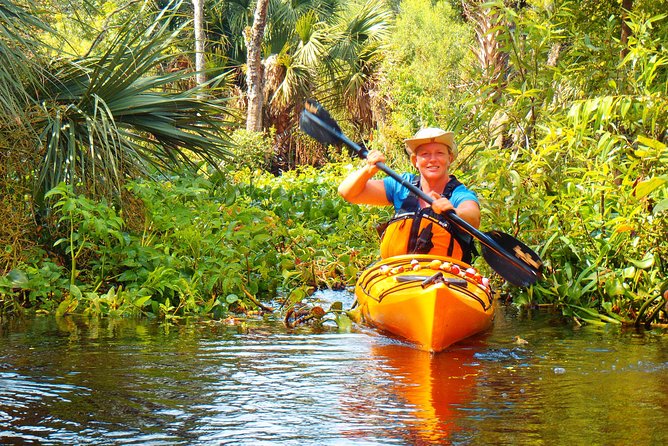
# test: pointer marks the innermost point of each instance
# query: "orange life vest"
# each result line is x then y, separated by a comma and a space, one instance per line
413, 230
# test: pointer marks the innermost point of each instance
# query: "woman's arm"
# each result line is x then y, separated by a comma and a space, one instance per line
359, 188
469, 211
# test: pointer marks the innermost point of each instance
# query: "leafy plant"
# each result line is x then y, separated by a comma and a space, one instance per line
571, 164
93, 121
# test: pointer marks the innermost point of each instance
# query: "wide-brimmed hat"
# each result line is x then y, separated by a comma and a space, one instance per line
431, 134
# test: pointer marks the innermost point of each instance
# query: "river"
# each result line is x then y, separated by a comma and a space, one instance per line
532, 379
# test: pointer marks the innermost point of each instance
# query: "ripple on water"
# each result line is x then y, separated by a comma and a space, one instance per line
209, 383
22, 391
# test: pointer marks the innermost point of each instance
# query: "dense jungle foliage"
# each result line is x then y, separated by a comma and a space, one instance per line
131, 189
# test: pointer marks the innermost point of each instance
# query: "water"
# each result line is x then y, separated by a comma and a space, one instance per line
73, 381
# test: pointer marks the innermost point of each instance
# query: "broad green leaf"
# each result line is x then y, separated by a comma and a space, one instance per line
141, 301
343, 322
661, 206
607, 306
17, 278
644, 188
629, 272
653, 143
614, 288
645, 263
67, 306
75, 292
297, 295
260, 238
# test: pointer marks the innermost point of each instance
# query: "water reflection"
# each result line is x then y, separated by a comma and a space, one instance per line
437, 386
80, 381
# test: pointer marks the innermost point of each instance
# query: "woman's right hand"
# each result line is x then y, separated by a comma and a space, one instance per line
359, 187
373, 157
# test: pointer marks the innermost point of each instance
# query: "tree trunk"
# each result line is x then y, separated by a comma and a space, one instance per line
493, 61
627, 5
254, 75
200, 37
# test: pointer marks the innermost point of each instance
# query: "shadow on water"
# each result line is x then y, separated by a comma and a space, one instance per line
530, 380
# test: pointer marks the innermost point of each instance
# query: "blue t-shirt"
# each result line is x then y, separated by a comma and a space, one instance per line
396, 193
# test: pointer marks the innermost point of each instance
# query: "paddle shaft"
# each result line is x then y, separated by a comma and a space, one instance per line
450, 215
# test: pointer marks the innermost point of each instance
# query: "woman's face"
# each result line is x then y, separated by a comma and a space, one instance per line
432, 160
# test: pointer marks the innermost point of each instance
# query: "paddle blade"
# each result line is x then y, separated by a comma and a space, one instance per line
317, 123
524, 267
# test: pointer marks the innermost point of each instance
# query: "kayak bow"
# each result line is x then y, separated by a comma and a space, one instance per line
431, 301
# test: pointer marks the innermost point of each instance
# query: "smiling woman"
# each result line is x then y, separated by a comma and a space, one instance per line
513, 260
431, 150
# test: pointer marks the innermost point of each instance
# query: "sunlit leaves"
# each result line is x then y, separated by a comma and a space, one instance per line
644, 188
572, 154
428, 56
98, 120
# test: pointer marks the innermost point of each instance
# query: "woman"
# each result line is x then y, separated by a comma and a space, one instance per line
418, 227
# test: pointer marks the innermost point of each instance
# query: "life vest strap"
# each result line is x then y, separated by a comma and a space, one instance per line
420, 234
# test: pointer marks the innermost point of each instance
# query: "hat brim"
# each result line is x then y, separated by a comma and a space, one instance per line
447, 139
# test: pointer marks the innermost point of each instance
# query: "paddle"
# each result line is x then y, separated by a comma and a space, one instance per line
510, 258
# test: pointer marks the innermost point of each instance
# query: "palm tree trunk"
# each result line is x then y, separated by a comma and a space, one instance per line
198, 6
254, 76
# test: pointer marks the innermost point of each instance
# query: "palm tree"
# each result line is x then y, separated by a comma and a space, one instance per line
99, 120
325, 48
227, 22
254, 71
354, 59
19, 73
198, 25
335, 58
287, 30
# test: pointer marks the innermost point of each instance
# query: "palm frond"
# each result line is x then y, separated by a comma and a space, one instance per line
356, 40
113, 115
20, 71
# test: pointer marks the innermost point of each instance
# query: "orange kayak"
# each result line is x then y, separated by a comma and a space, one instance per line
430, 301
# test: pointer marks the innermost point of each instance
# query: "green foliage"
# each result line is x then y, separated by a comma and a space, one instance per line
97, 120
565, 144
206, 247
426, 65
576, 165
564, 139
252, 149
92, 230
328, 49
41, 284
16, 67
329, 240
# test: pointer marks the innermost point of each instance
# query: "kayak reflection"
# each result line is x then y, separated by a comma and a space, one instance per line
437, 386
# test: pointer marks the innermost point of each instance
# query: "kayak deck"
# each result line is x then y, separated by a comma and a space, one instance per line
430, 301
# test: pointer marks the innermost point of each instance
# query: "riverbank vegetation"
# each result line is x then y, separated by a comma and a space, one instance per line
131, 188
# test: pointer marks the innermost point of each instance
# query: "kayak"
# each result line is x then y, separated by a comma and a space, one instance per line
430, 301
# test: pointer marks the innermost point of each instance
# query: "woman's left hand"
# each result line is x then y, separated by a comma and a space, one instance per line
440, 204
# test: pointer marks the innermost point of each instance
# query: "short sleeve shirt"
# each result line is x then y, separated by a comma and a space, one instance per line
396, 193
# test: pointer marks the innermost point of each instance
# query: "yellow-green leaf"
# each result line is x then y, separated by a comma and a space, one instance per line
645, 263
644, 188
661, 206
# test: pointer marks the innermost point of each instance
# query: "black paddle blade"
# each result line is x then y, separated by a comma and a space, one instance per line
527, 268
317, 123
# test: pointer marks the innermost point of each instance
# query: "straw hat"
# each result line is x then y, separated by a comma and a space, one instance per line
431, 134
